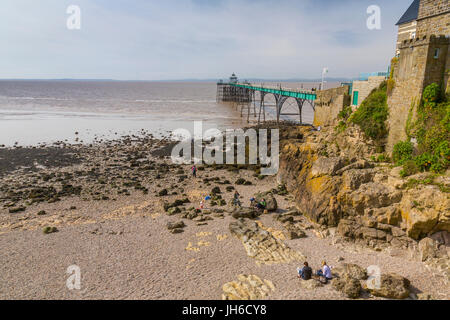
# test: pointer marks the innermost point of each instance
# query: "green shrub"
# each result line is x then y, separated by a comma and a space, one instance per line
382, 158
432, 93
341, 126
372, 114
403, 151
432, 131
409, 168
345, 113
424, 161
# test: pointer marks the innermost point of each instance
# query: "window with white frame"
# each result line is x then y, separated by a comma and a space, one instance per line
437, 51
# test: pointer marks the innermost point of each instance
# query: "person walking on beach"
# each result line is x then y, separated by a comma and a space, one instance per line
236, 200
194, 171
325, 273
305, 273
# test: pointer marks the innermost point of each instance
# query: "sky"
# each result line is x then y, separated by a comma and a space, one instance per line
195, 39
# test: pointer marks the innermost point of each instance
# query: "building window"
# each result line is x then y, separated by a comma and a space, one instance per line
413, 35
437, 51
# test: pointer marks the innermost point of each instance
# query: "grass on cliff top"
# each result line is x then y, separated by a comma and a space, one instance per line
372, 114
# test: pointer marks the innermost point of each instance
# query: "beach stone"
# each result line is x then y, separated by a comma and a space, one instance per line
392, 286
247, 287
48, 230
176, 230
261, 245
310, 284
163, 193
202, 218
175, 225
352, 270
173, 210
283, 218
249, 213
216, 190
192, 215
347, 285
293, 231
372, 233
428, 249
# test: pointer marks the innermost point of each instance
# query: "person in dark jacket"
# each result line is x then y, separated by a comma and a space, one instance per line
305, 273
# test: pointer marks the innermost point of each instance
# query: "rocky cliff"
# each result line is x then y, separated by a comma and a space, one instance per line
336, 185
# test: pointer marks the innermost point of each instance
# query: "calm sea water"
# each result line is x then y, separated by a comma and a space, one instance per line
37, 111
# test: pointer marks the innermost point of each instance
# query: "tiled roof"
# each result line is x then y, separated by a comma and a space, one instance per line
411, 14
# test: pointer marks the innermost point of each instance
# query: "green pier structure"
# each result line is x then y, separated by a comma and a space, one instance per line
243, 94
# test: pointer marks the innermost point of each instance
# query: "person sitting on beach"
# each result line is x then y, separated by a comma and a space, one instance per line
305, 273
262, 205
252, 202
325, 273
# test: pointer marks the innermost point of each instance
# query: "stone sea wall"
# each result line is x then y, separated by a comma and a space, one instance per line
328, 105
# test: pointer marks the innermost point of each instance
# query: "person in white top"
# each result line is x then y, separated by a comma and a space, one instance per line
325, 272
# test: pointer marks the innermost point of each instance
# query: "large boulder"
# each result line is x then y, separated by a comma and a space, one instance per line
391, 286
425, 210
347, 228
327, 166
248, 213
348, 279
175, 225
347, 285
352, 270
293, 231
428, 249
369, 195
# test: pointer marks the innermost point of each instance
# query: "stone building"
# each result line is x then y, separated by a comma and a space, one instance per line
362, 88
434, 18
407, 25
423, 60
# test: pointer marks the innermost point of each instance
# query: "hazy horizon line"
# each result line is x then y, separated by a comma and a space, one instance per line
331, 79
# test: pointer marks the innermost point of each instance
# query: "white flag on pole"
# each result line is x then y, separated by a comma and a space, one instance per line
325, 71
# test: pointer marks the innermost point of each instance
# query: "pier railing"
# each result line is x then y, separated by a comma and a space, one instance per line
292, 93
